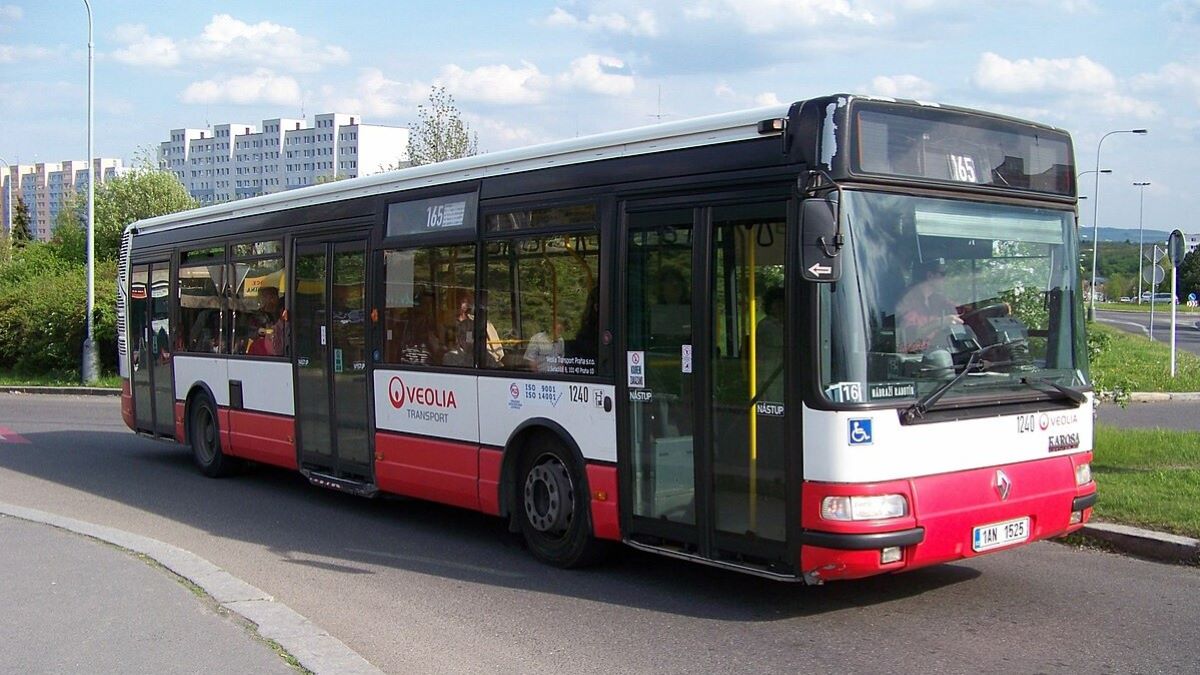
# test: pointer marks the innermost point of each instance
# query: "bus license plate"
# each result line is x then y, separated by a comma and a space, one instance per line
987, 537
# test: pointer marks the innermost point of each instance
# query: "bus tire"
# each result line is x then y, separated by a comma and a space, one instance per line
552, 506
205, 437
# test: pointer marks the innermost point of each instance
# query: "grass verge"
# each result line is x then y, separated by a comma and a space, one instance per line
10, 379
1141, 364
1149, 478
1159, 307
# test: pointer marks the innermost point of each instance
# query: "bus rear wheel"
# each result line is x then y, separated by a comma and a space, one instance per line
205, 437
552, 507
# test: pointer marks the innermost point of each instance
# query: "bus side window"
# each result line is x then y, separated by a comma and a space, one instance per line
422, 320
543, 300
201, 308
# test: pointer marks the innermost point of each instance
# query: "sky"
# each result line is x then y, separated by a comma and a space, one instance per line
523, 72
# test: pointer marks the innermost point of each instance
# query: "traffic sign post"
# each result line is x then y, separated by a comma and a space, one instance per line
1176, 250
1154, 276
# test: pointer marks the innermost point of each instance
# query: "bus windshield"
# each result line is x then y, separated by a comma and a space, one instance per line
928, 281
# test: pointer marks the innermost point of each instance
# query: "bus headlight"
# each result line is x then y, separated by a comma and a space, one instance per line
1083, 474
864, 507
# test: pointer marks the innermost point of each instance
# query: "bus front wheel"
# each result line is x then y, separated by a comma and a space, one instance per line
553, 507
205, 437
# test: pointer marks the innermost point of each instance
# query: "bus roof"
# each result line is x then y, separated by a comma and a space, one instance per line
700, 131
711, 130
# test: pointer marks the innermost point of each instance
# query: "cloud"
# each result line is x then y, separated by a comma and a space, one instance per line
17, 53
997, 74
11, 13
1180, 78
226, 39
261, 86
901, 86
606, 75
143, 49
374, 94
767, 98
642, 23
1077, 81
500, 84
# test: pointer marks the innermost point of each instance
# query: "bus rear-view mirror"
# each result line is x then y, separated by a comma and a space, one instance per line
820, 240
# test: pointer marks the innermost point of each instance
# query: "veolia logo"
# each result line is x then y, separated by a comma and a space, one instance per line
399, 394
396, 392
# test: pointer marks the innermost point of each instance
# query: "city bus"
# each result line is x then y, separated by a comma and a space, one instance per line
812, 342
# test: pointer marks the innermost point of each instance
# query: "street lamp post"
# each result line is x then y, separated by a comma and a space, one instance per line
1095, 219
1079, 175
6, 223
90, 368
1141, 186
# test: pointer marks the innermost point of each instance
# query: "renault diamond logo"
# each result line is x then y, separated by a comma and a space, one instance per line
1002, 485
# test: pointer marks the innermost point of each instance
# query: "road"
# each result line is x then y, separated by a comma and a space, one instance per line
1187, 335
1179, 415
416, 587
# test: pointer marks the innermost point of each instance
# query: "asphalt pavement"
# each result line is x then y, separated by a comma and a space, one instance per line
1180, 415
71, 603
1187, 333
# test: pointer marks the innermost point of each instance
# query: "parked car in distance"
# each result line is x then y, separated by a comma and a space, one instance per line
1157, 297
1126, 298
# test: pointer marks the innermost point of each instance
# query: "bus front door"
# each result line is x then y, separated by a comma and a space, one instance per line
705, 463
330, 330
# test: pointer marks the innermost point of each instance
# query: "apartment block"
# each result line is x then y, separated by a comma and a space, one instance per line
46, 186
238, 160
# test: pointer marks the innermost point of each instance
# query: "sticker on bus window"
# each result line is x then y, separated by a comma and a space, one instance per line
636, 369
886, 390
685, 358
845, 392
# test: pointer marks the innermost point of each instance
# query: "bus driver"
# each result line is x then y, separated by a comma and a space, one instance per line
925, 310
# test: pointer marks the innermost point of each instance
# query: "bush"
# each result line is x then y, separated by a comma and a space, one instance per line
43, 320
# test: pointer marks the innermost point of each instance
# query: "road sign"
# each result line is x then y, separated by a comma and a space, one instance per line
1154, 254
1192, 297
1176, 247
1153, 274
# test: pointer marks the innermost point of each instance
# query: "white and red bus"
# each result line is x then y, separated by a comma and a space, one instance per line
815, 342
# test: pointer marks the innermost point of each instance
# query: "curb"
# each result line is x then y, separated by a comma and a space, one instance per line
315, 649
75, 391
1159, 396
1145, 543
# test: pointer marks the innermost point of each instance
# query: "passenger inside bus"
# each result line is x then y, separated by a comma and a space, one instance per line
925, 312
545, 349
268, 328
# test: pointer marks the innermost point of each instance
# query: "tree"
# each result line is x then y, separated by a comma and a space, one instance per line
139, 194
69, 238
1189, 275
440, 133
20, 224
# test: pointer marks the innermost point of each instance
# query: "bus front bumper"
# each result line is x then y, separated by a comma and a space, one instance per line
951, 517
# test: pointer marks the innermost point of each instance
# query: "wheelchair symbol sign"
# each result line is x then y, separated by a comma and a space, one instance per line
860, 431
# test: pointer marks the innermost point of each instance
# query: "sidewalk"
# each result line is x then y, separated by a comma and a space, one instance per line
73, 604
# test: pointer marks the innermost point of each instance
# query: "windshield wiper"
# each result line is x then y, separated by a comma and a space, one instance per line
1069, 392
917, 410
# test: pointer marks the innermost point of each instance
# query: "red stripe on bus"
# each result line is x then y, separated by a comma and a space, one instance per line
606, 521
9, 436
439, 471
263, 437
127, 405
223, 424
180, 430
490, 461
